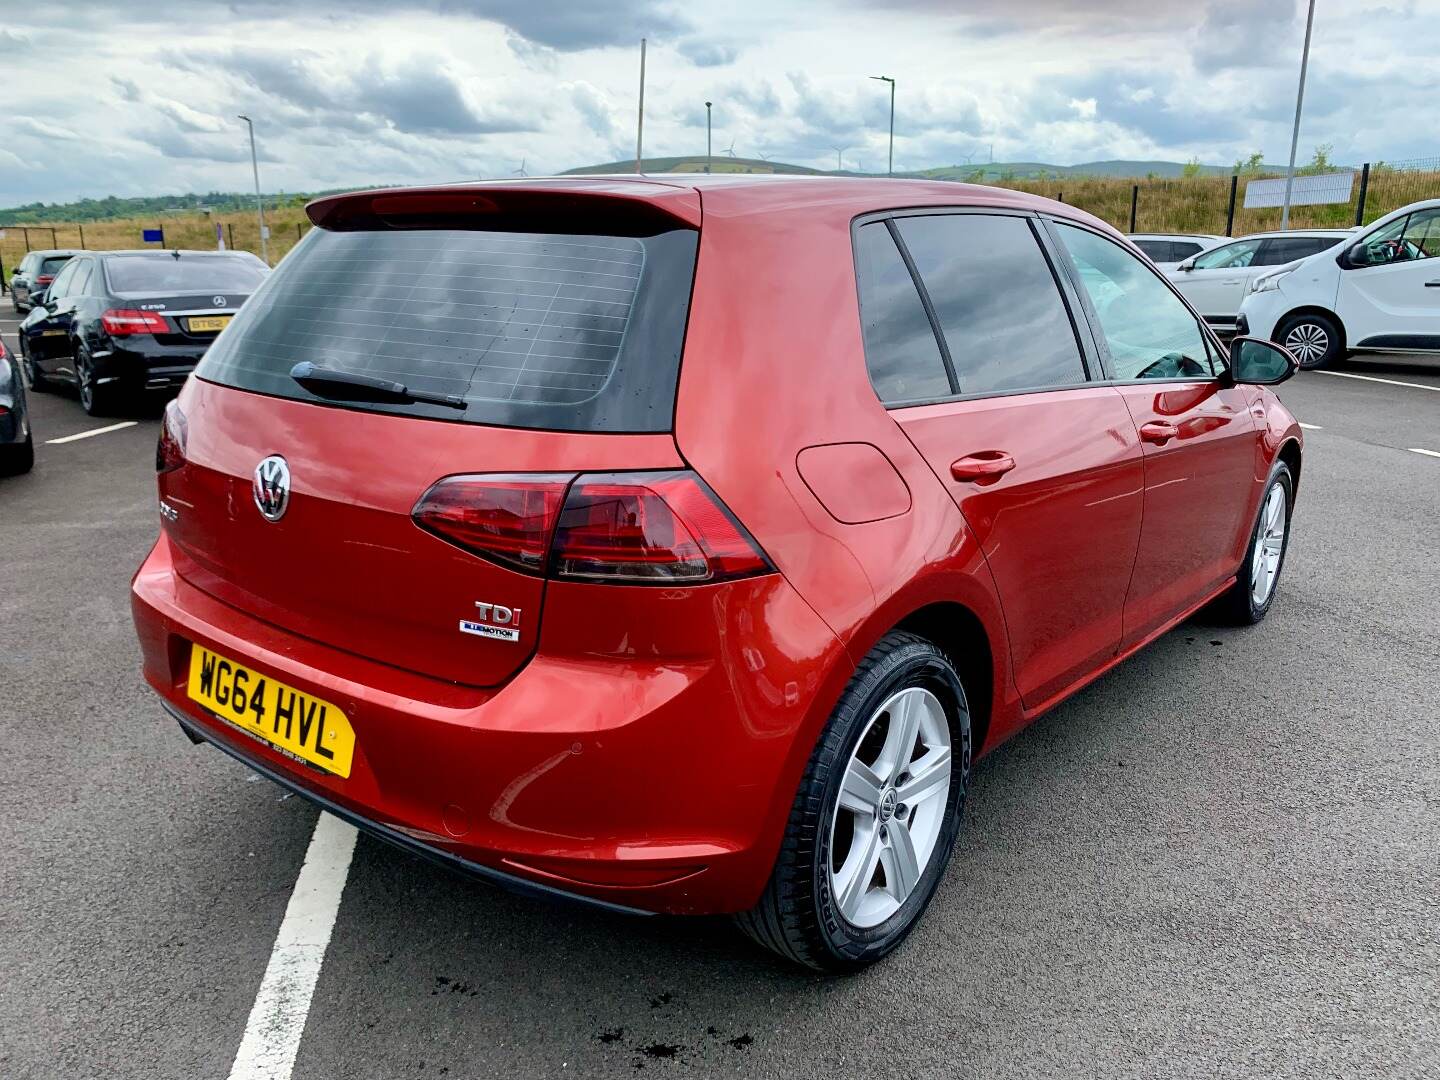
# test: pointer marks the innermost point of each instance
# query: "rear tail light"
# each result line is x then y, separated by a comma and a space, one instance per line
506, 519
170, 450
645, 528
44, 279
123, 321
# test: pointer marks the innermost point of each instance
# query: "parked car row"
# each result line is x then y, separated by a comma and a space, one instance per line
34, 274
1322, 293
117, 324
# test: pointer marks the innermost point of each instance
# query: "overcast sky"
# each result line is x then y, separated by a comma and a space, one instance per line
121, 97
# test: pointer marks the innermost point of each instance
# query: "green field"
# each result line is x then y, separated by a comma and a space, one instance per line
1195, 203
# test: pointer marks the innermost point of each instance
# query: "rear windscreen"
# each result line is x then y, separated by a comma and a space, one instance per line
52, 264
187, 273
537, 330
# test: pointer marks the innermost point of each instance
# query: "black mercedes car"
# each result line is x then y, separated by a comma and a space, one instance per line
17, 447
118, 323
36, 270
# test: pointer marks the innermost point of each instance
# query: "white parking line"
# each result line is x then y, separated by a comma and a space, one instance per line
96, 431
277, 1020
1373, 378
1427, 453
1309, 427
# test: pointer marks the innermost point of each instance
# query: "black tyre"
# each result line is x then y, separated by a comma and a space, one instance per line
874, 822
17, 458
36, 381
95, 398
1249, 599
1312, 338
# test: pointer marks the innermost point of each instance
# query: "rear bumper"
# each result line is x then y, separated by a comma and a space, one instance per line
449, 860
657, 778
138, 363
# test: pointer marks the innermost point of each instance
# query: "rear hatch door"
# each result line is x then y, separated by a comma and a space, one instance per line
561, 333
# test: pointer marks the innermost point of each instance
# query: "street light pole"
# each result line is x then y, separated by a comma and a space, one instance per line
259, 203
640, 119
1299, 102
708, 155
890, 169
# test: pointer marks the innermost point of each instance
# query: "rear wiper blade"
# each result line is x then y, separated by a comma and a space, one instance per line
352, 386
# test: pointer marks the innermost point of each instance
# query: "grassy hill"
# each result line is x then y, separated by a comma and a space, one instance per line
721, 163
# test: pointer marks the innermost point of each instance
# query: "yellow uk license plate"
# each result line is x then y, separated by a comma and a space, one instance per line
297, 723
209, 324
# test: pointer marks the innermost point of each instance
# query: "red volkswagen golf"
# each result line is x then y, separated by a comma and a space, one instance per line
676, 544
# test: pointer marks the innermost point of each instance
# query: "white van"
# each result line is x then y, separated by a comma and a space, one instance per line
1380, 293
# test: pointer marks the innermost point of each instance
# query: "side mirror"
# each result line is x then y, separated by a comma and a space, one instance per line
40, 297
1187, 265
1258, 362
1357, 255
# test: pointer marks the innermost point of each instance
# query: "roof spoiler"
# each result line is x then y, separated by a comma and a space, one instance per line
621, 208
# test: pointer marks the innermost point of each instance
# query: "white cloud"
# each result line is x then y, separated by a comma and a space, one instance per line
361, 92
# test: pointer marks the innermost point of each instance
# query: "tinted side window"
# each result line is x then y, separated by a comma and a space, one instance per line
1283, 249
997, 302
900, 347
1183, 249
1149, 332
1155, 250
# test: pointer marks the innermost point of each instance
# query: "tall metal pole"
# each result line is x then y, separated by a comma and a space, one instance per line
259, 203
708, 155
890, 169
640, 119
1299, 103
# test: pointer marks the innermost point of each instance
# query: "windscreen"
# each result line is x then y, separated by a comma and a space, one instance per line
555, 331
158, 274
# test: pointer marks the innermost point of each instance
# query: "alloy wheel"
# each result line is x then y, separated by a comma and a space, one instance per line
1308, 341
85, 383
1269, 546
891, 807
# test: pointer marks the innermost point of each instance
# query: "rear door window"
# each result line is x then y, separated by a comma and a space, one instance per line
53, 263
80, 285
537, 330
61, 285
998, 304
901, 350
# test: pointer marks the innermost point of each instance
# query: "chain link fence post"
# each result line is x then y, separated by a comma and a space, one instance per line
1364, 191
1134, 203
1230, 214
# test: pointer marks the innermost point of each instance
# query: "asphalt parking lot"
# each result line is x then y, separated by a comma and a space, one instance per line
1222, 859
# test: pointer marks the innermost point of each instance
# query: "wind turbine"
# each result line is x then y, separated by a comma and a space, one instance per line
839, 154
521, 170
731, 148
